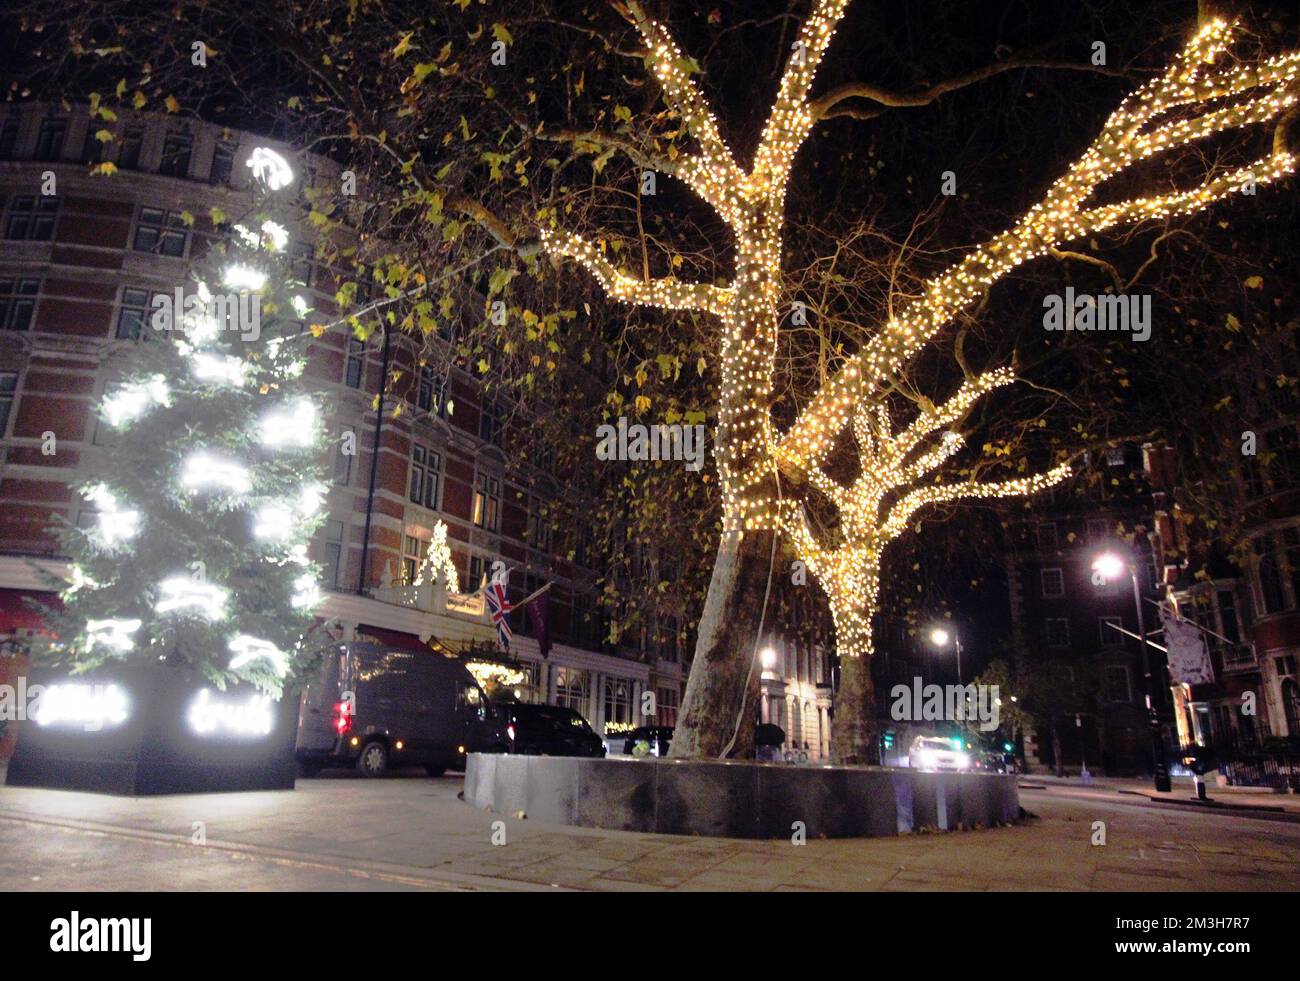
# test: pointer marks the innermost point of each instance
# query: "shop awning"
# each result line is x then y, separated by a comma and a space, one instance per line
404, 641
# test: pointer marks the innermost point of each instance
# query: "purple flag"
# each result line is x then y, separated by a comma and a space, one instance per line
539, 613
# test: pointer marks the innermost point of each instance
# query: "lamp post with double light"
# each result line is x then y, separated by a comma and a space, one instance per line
1111, 565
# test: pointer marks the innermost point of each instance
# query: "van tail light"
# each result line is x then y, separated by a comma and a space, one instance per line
342, 718
510, 731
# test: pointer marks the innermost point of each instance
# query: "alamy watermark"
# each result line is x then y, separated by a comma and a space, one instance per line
919, 702
659, 441
1108, 312
208, 313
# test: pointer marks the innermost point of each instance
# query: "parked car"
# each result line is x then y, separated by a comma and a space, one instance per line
658, 737
933, 753
376, 708
546, 730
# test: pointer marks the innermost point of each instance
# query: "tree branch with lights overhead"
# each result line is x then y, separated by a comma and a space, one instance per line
769, 479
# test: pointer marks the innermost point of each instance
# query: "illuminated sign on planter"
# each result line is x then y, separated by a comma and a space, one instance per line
89, 707
213, 714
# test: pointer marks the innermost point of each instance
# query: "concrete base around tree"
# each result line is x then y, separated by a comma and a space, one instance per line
737, 799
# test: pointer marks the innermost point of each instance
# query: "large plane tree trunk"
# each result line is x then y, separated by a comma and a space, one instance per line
853, 725
722, 691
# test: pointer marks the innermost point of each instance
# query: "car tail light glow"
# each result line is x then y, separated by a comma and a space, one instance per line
510, 730
342, 718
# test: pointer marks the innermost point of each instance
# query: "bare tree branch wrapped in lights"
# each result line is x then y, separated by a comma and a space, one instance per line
880, 504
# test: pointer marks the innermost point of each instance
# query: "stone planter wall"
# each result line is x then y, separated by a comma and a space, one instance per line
736, 799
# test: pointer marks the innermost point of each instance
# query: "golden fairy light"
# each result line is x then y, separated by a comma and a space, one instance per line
749, 451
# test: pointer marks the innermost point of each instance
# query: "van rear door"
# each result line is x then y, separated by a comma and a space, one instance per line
316, 714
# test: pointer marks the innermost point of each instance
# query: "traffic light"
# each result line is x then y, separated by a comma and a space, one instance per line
887, 740
1008, 747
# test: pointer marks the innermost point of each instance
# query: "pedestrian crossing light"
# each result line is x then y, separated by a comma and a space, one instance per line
888, 739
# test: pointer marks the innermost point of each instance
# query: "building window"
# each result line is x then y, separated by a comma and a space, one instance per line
177, 149
618, 701
431, 393
541, 531
1053, 583
133, 315
8, 384
487, 501
128, 158
1269, 573
489, 422
223, 163
8, 137
304, 262
30, 218
1115, 684
92, 147
666, 706
479, 571
17, 303
1229, 624
1115, 456
426, 470
1109, 635
161, 232
49, 139
333, 552
343, 461
1057, 631
413, 552
1047, 536
571, 688
356, 360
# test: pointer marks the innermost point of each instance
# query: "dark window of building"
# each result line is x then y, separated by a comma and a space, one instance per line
1291, 543
161, 232
1053, 583
1115, 684
487, 501
8, 137
1098, 530
1270, 575
92, 147
134, 314
1047, 536
17, 303
223, 163
343, 461
1228, 615
426, 473
128, 158
431, 394
49, 138
8, 384
333, 555
541, 530
355, 363
177, 150
30, 218
1057, 630
489, 422
1115, 456
1284, 450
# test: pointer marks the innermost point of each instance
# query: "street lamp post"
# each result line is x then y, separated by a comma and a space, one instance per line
1112, 566
940, 637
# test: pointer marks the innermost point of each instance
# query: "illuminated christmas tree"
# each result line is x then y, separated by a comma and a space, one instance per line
212, 487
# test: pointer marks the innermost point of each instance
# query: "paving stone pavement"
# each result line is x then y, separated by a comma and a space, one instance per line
342, 832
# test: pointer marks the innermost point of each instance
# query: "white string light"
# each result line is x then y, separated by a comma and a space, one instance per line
181, 594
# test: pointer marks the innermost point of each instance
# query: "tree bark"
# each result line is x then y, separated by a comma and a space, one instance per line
721, 699
853, 729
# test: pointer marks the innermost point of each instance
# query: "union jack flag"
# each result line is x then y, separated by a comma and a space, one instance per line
500, 608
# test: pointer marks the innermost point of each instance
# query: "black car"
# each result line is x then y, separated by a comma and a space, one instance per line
547, 730
659, 738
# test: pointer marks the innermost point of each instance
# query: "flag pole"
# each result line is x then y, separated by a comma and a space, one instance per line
532, 596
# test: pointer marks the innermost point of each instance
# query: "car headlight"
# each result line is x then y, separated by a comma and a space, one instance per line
963, 760
927, 757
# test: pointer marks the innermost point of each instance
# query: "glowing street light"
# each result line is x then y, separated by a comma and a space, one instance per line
1110, 566
939, 637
